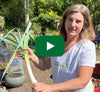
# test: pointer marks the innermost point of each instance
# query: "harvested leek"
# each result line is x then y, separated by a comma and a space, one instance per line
19, 42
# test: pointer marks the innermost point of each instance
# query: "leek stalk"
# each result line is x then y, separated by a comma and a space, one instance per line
33, 80
19, 43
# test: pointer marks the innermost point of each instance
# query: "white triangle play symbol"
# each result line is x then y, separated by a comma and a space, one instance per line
49, 46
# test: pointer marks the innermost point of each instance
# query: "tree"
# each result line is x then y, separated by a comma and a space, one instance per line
26, 6
13, 11
39, 10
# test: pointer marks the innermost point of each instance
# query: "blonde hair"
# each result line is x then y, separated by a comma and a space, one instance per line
88, 30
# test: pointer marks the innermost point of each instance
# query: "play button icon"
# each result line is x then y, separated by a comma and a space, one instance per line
49, 46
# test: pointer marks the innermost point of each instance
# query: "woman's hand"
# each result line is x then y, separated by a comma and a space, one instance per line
41, 87
29, 52
31, 55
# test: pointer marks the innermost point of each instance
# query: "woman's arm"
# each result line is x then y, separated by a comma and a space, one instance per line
84, 76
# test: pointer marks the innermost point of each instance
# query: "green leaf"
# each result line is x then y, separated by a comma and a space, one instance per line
31, 36
9, 41
19, 34
26, 40
15, 38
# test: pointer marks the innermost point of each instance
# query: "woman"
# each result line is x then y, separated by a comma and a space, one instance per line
71, 72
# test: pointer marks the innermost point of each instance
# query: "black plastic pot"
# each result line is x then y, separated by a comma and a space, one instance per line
1, 72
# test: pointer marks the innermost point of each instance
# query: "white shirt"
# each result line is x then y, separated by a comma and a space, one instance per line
65, 67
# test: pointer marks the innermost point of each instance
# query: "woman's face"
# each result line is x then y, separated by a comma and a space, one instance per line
74, 24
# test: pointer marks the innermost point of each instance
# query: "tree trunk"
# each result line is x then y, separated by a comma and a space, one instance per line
26, 6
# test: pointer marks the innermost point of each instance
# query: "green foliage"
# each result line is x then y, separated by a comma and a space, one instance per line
13, 11
49, 32
2, 22
42, 11
35, 32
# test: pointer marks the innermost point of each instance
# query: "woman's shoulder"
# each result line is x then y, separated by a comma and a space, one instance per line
88, 43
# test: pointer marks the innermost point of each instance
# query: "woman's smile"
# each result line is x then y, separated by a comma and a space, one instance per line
74, 24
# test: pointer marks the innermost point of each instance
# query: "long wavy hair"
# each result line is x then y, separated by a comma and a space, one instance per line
88, 30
